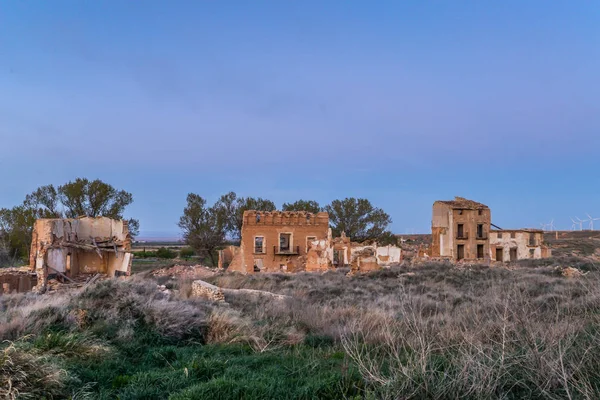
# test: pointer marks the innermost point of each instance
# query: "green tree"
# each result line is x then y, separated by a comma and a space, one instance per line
93, 199
231, 209
203, 227
16, 227
358, 218
73, 199
302, 205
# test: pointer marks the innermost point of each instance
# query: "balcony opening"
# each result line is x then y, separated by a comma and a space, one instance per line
480, 231
259, 244
285, 242
460, 231
479, 251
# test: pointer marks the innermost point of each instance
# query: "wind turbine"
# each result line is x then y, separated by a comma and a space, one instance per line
543, 226
580, 222
591, 220
552, 227
574, 226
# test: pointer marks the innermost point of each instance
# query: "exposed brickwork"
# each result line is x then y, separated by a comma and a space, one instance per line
285, 240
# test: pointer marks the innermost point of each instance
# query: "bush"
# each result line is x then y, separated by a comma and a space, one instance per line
186, 252
165, 252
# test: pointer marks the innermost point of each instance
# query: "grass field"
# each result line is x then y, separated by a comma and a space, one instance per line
433, 331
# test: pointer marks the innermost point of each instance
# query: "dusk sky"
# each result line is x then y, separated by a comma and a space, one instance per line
399, 102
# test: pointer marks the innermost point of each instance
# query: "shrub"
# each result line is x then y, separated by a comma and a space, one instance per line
165, 252
186, 252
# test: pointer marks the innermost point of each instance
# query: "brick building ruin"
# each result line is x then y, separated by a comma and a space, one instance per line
78, 248
461, 230
294, 241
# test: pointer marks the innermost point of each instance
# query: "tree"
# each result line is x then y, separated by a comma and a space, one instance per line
302, 205
16, 227
93, 199
203, 227
45, 200
78, 198
231, 209
358, 218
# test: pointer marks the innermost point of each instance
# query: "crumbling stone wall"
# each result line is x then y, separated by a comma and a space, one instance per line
73, 246
206, 290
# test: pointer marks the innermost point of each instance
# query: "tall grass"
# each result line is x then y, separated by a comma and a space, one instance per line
429, 332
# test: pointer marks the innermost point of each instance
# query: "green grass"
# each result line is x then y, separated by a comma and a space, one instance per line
219, 372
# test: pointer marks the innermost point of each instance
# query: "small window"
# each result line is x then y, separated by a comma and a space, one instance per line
284, 241
257, 217
499, 235
531, 253
480, 212
460, 212
513, 235
259, 244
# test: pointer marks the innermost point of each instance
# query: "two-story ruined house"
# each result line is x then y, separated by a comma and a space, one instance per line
460, 230
278, 240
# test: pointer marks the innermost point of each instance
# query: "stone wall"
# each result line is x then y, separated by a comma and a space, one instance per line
207, 291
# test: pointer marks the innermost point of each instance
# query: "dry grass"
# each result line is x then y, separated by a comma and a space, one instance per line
429, 332
440, 332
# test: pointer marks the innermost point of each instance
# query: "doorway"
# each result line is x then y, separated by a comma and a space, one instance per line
460, 251
513, 254
499, 254
479, 251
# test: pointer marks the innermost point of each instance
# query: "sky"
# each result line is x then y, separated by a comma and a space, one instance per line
402, 103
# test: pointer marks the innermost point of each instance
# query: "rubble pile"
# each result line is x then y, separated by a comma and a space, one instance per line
185, 271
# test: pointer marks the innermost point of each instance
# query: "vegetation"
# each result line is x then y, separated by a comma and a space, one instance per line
302, 205
358, 218
80, 197
203, 227
429, 331
231, 208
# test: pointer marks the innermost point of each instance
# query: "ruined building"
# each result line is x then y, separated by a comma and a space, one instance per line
75, 249
518, 244
278, 240
285, 241
461, 230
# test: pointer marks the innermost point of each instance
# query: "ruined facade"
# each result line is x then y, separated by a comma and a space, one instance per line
460, 230
79, 247
518, 244
300, 241
278, 240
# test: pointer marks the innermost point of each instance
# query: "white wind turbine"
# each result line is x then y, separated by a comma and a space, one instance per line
591, 221
580, 222
552, 227
574, 226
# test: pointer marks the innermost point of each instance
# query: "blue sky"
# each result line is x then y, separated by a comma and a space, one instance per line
399, 102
